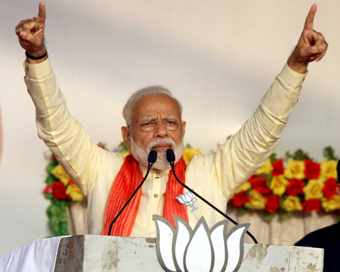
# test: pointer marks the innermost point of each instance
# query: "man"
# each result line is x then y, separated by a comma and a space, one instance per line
153, 121
327, 238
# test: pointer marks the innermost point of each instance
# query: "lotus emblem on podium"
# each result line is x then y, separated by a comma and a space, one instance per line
201, 249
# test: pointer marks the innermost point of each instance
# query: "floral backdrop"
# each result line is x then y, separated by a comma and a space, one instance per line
303, 185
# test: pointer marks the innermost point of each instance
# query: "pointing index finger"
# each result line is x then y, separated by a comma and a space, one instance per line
42, 13
310, 18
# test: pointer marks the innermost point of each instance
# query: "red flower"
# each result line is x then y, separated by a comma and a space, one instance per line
259, 185
312, 169
329, 189
54, 158
239, 199
295, 187
59, 191
48, 190
312, 204
70, 181
272, 203
278, 168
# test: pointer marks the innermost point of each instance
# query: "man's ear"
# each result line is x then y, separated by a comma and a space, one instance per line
126, 136
338, 189
183, 124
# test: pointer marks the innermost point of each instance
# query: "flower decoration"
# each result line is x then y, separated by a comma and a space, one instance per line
278, 168
257, 201
331, 204
61, 191
59, 173
312, 169
240, 199
278, 185
312, 204
266, 168
329, 189
272, 203
303, 186
295, 187
295, 169
313, 189
201, 249
292, 203
189, 152
259, 185
328, 169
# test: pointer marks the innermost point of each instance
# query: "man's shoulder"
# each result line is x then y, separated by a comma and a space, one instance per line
321, 236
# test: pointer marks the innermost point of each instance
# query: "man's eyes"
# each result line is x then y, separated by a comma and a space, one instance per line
145, 124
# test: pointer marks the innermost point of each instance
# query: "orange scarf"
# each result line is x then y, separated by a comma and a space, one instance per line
126, 181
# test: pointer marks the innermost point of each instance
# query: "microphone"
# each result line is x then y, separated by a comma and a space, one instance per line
170, 156
151, 160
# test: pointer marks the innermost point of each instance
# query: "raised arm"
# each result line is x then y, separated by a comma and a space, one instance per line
79, 156
251, 146
311, 46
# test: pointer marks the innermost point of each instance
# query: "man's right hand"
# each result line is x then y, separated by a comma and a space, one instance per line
31, 34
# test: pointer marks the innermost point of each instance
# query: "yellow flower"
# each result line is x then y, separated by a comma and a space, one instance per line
125, 153
328, 169
266, 168
292, 203
188, 153
313, 189
74, 192
257, 201
59, 173
278, 185
295, 169
245, 186
331, 204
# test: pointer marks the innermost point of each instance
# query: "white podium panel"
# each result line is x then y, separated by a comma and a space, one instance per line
92, 253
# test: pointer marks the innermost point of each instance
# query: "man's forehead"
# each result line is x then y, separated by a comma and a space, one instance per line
153, 105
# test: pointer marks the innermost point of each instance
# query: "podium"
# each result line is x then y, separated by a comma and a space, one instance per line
87, 253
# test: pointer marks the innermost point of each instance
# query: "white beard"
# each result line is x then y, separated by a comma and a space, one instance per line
162, 163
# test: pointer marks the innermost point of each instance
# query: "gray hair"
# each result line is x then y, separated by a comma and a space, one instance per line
148, 91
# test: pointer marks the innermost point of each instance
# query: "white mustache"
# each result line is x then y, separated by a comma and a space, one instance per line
161, 141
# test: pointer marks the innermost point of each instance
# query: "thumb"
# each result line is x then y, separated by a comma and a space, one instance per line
42, 13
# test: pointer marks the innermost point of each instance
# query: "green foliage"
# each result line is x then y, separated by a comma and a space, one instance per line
58, 217
242, 210
273, 157
188, 146
269, 178
102, 145
51, 166
50, 179
285, 215
329, 153
269, 216
123, 147
298, 155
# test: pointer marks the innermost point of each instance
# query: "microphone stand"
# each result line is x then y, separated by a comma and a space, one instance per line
172, 163
151, 160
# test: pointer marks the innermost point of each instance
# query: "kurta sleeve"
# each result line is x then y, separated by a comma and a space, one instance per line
239, 158
72, 146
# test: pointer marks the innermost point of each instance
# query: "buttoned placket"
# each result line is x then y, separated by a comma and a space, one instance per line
156, 196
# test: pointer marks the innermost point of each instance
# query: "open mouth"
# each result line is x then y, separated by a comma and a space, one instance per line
161, 147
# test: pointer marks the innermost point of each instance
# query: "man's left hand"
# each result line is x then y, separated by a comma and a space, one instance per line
311, 46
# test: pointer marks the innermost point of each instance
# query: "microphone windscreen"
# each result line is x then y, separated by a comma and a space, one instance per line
170, 155
152, 156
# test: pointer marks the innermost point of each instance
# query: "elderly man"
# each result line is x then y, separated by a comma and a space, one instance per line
154, 122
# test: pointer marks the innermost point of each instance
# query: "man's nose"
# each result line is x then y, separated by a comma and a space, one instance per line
160, 130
